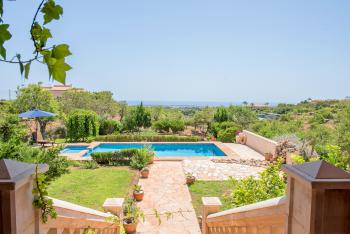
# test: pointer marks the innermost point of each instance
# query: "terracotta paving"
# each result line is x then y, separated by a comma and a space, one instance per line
166, 191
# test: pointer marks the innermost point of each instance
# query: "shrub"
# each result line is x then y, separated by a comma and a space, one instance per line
141, 158
109, 126
227, 135
217, 127
221, 115
251, 190
147, 138
297, 159
89, 165
165, 125
333, 155
120, 157
81, 124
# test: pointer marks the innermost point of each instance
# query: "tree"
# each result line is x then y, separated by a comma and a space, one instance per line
243, 116
122, 109
203, 118
343, 130
35, 97
54, 56
11, 129
137, 118
220, 115
100, 102
81, 124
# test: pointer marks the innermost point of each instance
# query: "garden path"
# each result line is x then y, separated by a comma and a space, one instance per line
166, 191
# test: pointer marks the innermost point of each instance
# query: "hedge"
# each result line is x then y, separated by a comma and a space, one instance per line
147, 138
120, 157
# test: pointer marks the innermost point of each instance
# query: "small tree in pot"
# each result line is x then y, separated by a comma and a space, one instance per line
145, 172
132, 216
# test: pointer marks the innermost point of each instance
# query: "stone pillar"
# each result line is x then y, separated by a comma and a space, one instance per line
17, 214
210, 205
114, 205
318, 199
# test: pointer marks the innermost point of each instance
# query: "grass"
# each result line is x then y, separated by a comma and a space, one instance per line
209, 189
60, 141
90, 188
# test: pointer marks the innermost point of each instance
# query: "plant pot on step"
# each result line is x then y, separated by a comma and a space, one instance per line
129, 227
138, 196
144, 172
138, 193
190, 179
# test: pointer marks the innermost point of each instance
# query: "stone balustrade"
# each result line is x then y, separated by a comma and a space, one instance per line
72, 218
317, 201
263, 217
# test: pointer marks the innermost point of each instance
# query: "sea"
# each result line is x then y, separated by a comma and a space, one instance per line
184, 104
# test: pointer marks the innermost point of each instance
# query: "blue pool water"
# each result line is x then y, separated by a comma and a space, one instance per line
165, 150
73, 149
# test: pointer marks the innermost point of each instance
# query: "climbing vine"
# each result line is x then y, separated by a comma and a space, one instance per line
54, 56
40, 200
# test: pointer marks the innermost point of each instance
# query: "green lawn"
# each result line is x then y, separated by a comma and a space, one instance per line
209, 189
90, 188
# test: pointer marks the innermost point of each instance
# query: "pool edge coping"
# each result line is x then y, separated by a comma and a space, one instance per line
80, 156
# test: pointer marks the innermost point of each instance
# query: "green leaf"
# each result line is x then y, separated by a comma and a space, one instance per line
51, 11
61, 51
21, 67
59, 70
40, 35
5, 35
26, 70
1, 10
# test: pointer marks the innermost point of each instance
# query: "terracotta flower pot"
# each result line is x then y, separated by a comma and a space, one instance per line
130, 227
190, 180
268, 157
138, 196
144, 173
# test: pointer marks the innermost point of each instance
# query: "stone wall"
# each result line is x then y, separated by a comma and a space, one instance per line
260, 144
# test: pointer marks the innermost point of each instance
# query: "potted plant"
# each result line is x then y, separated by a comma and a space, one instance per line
132, 215
190, 179
145, 172
138, 192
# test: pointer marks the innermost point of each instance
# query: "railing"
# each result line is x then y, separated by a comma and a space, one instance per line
266, 217
75, 219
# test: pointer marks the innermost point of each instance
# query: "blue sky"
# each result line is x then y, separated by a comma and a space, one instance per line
196, 50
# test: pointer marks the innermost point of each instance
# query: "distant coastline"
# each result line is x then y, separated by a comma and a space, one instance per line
184, 104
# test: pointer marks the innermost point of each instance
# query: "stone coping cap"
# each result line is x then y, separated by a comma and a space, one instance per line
74, 207
113, 202
211, 201
318, 171
11, 171
255, 206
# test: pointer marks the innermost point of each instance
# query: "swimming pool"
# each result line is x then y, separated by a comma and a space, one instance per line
72, 149
162, 150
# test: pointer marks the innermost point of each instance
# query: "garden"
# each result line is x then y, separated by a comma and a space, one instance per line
317, 130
